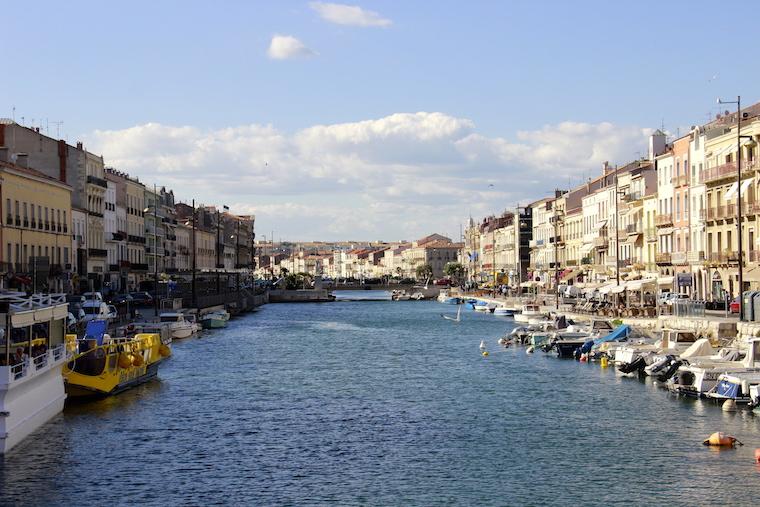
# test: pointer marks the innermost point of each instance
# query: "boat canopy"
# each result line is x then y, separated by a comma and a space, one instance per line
699, 348
95, 330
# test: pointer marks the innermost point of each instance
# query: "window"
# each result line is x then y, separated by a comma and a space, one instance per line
65, 255
9, 219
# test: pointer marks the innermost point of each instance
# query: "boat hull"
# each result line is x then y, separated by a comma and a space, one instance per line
213, 323
567, 348
127, 382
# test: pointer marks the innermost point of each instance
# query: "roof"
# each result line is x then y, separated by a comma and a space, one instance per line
33, 172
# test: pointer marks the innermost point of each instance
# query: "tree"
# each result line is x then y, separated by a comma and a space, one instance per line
454, 270
424, 271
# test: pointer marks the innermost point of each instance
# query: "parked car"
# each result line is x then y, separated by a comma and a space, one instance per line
142, 299
734, 306
121, 299
443, 281
93, 296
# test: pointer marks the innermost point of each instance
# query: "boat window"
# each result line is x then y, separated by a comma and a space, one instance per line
687, 338
168, 319
90, 363
92, 310
112, 362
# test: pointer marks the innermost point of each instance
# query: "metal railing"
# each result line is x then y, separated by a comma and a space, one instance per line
726, 170
688, 308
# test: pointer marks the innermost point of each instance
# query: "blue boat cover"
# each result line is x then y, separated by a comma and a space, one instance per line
727, 389
95, 330
617, 334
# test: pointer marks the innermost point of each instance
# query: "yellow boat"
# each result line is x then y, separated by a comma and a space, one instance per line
114, 366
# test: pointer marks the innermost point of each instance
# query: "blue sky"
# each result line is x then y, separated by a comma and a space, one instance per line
199, 74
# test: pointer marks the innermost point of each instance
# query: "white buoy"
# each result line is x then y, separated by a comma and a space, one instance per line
529, 350
482, 345
729, 406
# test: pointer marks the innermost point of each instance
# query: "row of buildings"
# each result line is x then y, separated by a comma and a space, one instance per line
360, 261
70, 223
672, 216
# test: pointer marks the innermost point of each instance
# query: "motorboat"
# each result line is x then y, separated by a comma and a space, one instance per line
445, 297
636, 356
400, 295
215, 320
104, 366
504, 311
180, 326
33, 350
698, 374
735, 386
417, 296
528, 311
484, 307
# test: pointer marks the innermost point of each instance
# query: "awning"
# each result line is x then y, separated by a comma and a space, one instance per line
530, 284
600, 224
639, 284
665, 280
731, 191
571, 275
586, 248
606, 288
633, 238
617, 289
664, 231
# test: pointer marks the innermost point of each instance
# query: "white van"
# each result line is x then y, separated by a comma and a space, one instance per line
98, 310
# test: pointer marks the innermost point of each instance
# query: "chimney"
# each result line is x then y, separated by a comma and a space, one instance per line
605, 167
62, 160
22, 159
79, 145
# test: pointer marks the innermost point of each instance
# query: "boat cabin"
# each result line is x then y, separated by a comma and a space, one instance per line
735, 386
677, 338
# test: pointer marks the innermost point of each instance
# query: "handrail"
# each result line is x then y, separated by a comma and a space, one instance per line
20, 302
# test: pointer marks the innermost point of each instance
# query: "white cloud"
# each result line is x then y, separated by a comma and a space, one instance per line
399, 176
285, 47
350, 15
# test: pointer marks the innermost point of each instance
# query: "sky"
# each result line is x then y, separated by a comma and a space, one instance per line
377, 120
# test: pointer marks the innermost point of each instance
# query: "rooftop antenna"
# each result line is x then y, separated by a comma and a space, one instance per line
57, 128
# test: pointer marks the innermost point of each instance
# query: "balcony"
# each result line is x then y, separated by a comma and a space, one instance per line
600, 242
695, 257
633, 229
678, 258
125, 264
136, 239
680, 181
664, 220
632, 196
139, 267
725, 171
754, 255
118, 236
95, 214
97, 252
97, 181
663, 258
724, 258
113, 268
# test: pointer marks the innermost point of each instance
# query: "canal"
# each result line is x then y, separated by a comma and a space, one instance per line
381, 403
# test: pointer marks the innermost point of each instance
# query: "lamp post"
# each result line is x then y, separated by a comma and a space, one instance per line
155, 246
739, 137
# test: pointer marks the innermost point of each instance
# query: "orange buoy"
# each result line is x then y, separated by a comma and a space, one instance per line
719, 439
757, 456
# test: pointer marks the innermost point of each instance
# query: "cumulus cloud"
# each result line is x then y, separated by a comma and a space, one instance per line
394, 177
350, 15
285, 47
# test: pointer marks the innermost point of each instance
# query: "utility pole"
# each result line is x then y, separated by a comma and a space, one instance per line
556, 253
194, 288
218, 224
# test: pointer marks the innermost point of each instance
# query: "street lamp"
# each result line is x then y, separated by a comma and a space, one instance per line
739, 137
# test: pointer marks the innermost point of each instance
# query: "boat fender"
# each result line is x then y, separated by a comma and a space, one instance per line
125, 361
720, 439
603, 362
164, 350
729, 406
529, 350
485, 353
138, 360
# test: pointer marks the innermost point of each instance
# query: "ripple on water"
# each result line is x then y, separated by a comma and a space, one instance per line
381, 403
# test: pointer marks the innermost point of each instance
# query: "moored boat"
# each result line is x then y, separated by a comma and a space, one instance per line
527, 312
504, 311
181, 327
32, 353
106, 366
215, 320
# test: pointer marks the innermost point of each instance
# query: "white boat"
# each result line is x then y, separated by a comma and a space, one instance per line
484, 307
696, 375
636, 356
735, 386
417, 296
181, 327
215, 320
31, 385
528, 311
503, 311
400, 295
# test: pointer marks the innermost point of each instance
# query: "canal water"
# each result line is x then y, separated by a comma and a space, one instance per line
381, 403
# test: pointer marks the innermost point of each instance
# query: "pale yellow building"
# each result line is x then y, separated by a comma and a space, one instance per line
36, 229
